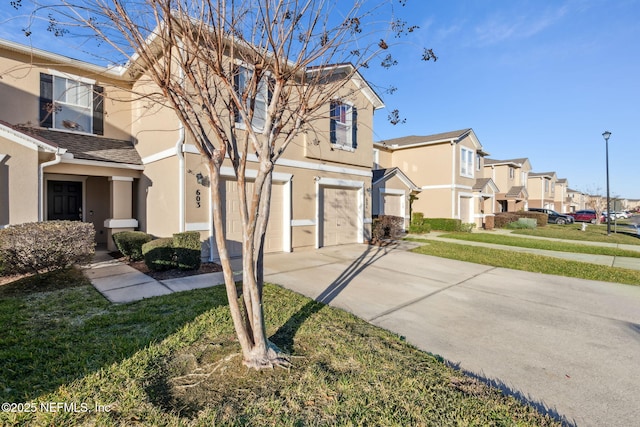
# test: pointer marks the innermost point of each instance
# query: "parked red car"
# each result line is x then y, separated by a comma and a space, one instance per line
585, 215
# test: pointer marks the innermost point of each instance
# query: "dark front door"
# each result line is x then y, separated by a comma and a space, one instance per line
64, 200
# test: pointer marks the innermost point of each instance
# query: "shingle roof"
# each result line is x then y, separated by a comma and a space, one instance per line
416, 139
379, 174
495, 161
88, 147
480, 183
515, 191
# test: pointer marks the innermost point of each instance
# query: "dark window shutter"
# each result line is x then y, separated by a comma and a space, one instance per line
332, 122
46, 100
237, 89
354, 127
98, 110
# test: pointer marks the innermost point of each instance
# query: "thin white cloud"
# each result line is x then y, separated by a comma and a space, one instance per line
505, 27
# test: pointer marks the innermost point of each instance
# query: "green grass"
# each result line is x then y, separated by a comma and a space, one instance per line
593, 233
551, 245
529, 262
173, 360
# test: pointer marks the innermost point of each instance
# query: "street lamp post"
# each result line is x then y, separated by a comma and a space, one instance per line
606, 134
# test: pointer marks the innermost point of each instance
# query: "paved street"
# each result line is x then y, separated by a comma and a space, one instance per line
567, 345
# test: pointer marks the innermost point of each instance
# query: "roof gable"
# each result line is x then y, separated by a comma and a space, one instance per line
382, 175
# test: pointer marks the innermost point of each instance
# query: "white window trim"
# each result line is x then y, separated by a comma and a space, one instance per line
349, 146
90, 108
469, 165
242, 125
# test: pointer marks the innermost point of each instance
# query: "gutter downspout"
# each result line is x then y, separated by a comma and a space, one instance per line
453, 179
59, 152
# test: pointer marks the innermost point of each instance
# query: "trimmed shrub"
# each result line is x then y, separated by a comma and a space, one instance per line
187, 248
444, 224
541, 218
418, 224
387, 227
129, 243
522, 223
159, 254
502, 219
489, 222
39, 247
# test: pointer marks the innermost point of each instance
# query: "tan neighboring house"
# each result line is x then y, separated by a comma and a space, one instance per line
542, 188
577, 200
562, 200
511, 177
448, 168
101, 157
392, 193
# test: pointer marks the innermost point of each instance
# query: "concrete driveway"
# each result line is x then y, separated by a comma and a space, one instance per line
568, 346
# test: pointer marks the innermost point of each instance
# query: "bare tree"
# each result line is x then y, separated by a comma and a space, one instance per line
219, 64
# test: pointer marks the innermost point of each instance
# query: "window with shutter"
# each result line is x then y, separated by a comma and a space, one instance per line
343, 125
71, 105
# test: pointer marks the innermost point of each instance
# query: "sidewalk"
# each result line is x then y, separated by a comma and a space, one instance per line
611, 261
120, 283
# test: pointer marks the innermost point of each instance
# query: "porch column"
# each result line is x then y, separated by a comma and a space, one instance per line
120, 208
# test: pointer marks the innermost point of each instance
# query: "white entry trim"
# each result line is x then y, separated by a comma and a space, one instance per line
120, 223
333, 182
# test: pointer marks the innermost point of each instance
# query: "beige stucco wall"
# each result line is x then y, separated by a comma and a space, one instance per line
18, 184
21, 84
158, 198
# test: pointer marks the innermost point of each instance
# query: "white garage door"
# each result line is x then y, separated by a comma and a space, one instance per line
273, 239
392, 204
339, 216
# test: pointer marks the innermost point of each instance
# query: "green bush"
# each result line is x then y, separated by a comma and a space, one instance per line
159, 254
418, 224
129, 243
541, 218
39, 247
188, 250
444, 224
522, 223
467, 227
502, 219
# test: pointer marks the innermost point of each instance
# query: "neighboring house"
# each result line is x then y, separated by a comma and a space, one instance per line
75, 145
392, 193
541, 188
511, 177
448, 168
577, 200
562, 200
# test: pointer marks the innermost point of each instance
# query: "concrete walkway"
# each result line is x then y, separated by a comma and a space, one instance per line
120, 283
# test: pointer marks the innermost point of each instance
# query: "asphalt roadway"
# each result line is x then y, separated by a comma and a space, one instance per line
570, 347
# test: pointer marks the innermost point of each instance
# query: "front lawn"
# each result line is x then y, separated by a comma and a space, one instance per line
528, 262
551, 245
75, 359
593, 233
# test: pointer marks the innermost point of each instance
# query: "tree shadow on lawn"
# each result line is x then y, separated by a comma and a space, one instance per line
284, 336
507, 390
54, 336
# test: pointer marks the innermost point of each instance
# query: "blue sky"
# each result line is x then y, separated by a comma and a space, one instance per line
539, 79
534, 78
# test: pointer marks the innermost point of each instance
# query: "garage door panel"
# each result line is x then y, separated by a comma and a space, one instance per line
392, 205
339, 216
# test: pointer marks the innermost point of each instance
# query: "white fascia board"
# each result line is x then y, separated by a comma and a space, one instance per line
100, 164
26, 141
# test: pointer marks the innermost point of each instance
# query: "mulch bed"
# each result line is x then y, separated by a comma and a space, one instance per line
205, 267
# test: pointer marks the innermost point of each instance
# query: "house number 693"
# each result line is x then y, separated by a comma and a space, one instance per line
197, 198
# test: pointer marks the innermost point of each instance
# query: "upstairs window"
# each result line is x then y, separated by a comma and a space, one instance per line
466, 162
511, 172
71, 105
242, 79
343, 126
